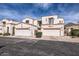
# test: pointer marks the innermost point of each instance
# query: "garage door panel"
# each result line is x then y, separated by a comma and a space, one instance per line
51, 32
23, 32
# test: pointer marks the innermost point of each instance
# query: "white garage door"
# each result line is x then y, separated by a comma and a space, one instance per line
23, 33
51, 32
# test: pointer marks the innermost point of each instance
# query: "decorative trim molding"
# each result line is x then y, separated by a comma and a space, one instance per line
51, 28
54, 24
22, 28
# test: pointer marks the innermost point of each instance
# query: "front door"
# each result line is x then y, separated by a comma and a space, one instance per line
13, 31
7, 29
35, 31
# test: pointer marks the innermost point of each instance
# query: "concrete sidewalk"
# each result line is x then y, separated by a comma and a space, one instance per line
63, 39
24, 37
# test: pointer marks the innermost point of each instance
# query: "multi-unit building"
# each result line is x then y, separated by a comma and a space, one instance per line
27, 27
70, 26
48, 25
7, 26
52, 26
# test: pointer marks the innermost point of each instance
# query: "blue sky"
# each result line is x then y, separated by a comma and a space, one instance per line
19, 11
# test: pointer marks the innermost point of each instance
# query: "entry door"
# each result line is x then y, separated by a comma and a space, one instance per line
13, 31
33, 33
7, 29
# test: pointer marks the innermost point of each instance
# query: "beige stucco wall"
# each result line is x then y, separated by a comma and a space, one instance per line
22, 25
45, 20
31, 27
25, 29
57, 24
10, 24
53, 26
30, 20
0, 29
35, 22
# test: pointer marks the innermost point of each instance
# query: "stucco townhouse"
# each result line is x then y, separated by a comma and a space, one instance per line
69, 27
27, 27
49, 26
8, 26
52, 26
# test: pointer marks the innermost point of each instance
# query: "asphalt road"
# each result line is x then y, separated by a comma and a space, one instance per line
27, 47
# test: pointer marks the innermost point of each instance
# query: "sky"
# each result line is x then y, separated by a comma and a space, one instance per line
19, 11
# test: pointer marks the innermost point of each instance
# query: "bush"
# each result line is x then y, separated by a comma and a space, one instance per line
6, 34
0, 33
38, 34
78, 35
75, 32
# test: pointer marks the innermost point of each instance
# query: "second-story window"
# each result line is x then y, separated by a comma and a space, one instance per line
4, 23
39, 22
51, 21
27, 21
60, 22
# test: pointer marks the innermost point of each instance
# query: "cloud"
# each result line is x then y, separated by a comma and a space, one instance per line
10, 14
71, 17
7, 12
43, 5
15, 15
21, 11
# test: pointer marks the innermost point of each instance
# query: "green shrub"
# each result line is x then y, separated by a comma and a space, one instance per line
78, 35
75, 32
38, 34
6, 34
0, 33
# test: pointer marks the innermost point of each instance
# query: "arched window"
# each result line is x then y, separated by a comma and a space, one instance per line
27, 21
60, 21
4, 23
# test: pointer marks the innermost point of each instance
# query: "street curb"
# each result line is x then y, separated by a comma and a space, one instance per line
22, 37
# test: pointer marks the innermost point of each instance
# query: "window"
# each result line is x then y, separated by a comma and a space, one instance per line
27, 21
39, 22
51, 21
60, 21
4, 23
46, 19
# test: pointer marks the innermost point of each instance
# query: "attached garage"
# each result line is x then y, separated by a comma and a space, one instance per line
23, 32
0, 29
51, 32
